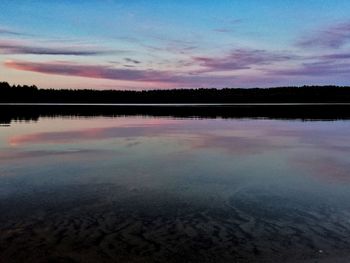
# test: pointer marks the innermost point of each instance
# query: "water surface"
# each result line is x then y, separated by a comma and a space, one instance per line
167, 189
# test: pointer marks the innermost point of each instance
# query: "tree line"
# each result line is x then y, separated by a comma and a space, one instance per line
304, 94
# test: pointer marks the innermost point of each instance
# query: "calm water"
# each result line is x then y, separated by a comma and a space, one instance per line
161, 189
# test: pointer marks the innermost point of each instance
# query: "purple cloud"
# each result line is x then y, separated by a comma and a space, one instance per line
240, 59
334, 36
158, 78
91, 71
338, 56
14, 47
315, 69
153, 78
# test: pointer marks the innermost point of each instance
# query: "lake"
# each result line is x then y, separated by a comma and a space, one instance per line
131, 187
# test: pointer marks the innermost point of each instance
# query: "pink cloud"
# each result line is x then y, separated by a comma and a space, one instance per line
203, 73
154, 77
90, 71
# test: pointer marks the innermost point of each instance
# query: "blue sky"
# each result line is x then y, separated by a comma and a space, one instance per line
119, 44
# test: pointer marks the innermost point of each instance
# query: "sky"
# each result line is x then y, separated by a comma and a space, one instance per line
165, 44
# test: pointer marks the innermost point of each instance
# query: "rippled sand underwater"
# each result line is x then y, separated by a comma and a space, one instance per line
162, 189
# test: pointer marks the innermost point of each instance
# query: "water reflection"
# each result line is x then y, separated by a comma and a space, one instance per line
136, 189
27, 112
89, 134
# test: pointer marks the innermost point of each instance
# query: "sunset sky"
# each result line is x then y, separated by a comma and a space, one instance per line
162, 44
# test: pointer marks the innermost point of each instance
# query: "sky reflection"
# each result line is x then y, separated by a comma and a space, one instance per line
231, 182
313, 147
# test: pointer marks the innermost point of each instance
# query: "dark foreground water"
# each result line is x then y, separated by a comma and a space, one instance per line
174, 189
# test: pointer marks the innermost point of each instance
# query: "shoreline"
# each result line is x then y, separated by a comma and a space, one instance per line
177, 104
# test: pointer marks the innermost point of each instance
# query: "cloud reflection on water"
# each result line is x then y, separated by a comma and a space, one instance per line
234, 138
258, 182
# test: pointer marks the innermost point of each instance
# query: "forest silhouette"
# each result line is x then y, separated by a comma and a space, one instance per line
33, 112
305, 94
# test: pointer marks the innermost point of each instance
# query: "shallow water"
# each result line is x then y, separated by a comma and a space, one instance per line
164, 189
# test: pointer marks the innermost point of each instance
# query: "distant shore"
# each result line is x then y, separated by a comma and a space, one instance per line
277, 95
309, 111
174, 104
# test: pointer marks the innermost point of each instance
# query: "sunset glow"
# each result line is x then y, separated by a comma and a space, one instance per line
174, 44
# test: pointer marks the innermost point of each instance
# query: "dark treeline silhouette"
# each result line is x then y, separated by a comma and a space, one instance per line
311, 94
9, 113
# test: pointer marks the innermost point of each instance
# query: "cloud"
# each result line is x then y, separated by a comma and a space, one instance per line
334, 36
228, 28
240, 59
235, 21
151, 78
159, 78
9, 31
224, 30
172, 48
90, 71
132, 60
15, 47
125, 74
323, 65
336, 56
315, 69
